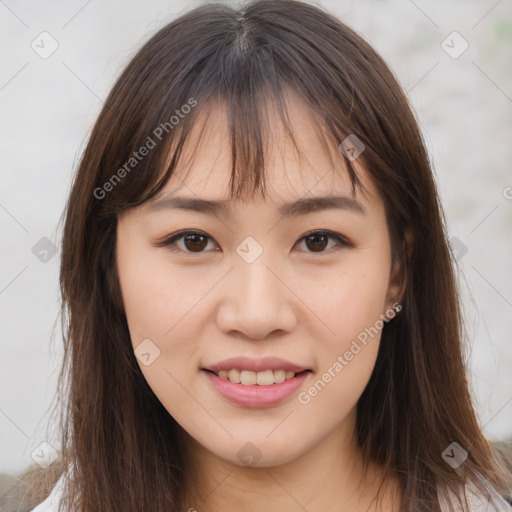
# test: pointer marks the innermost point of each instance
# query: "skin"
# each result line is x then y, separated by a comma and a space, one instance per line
291, 302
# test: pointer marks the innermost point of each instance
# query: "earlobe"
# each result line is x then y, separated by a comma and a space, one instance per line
397, 285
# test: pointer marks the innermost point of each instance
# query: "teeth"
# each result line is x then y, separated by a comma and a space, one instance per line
248, 378
279, 376
234, 376
265, 378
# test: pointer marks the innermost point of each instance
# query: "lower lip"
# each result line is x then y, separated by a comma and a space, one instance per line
254, 395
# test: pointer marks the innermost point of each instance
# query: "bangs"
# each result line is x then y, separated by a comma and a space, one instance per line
255, 130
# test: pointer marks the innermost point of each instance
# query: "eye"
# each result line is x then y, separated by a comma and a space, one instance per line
196, 241
317, 241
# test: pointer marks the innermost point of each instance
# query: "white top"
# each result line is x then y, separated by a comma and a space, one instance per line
51, 503
477, 502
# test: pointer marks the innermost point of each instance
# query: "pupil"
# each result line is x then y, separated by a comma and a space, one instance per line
194, 237
315, 238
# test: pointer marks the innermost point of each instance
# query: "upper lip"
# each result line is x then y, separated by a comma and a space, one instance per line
255, 365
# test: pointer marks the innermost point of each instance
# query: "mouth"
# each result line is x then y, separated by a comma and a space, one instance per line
256, 383
252, 378
260, 382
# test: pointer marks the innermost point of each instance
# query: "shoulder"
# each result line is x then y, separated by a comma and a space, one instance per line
490, 501
51, 503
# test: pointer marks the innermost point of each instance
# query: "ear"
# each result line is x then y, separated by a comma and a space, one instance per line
398, 278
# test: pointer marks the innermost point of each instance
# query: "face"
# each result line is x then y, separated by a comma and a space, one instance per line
257, 294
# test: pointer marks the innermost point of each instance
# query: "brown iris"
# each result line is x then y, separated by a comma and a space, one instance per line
317, 245
197, 242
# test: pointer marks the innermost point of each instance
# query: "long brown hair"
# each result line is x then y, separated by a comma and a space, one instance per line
119, 439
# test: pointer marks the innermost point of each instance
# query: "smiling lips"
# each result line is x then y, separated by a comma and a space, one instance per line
256, 382
263, 372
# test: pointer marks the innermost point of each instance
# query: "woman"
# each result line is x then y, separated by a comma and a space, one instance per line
261, 310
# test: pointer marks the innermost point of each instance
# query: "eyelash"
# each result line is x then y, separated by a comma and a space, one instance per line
171, 241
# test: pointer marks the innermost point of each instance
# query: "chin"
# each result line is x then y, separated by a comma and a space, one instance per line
259, 453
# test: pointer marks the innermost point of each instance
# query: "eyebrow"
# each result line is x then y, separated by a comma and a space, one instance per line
221, 208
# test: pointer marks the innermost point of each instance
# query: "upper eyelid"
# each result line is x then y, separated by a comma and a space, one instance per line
180, 234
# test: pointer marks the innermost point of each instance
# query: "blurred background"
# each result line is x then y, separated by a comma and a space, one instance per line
59, 61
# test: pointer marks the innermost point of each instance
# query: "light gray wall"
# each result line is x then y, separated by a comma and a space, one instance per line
47, 108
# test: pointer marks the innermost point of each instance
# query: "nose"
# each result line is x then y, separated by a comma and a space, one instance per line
256, 301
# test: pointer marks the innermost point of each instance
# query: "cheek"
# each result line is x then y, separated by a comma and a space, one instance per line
147, 296
163, 303
159, 300
353, 298
156, 312
351, 306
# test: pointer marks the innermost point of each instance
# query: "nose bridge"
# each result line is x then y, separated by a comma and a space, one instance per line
251, 266
256, 280
258, 302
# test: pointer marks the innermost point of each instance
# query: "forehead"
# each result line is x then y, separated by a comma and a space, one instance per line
307, 164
